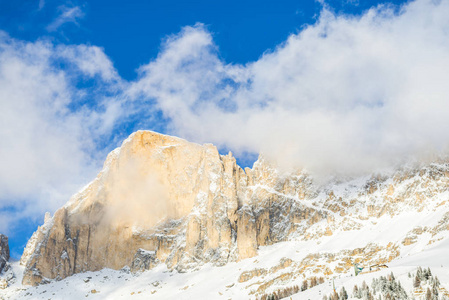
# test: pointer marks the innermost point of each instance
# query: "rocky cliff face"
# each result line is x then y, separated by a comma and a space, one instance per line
156, 192
161, 199
6, 275
4, 251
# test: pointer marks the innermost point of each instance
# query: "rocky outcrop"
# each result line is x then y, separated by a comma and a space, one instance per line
144, 260
4, 252
187, 205
6, 274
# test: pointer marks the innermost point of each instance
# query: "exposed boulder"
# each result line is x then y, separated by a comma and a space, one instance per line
144, 260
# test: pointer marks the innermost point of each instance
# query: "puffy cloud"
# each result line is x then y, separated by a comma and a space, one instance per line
346, 95
91, 61
349, 94
49, 124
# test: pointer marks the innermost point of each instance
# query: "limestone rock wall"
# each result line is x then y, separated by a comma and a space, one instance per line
186, 205
184, 201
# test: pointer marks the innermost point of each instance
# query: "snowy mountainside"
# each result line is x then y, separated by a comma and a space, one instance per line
234, 233
213, 282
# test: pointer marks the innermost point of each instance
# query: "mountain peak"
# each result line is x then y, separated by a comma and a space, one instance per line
161, 200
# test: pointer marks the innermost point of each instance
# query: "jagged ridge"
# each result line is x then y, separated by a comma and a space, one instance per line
191, 205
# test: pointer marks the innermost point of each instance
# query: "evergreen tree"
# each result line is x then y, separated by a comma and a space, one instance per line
343, 294
419, 273
392, 276
435, 291
416, 282
425, 274
428, 294
355, 291
437, 281
313, 282
304, 285
334, 296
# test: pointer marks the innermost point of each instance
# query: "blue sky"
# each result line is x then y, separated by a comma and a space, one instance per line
131, 32
338, 85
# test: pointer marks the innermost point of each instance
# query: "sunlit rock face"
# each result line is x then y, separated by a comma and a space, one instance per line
161, 199
156, 192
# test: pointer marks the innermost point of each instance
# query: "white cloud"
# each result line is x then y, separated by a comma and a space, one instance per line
91, 61
67, 15
348, 94
49, 126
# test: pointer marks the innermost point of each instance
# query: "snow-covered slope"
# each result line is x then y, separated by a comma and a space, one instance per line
211, 282
236, 234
